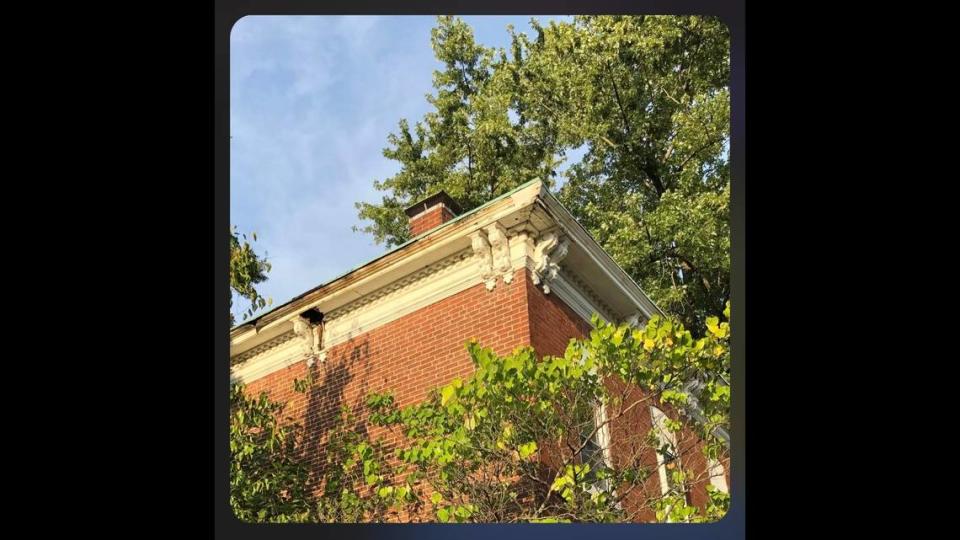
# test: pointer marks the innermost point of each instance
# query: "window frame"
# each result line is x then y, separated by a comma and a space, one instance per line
718, 475
665, 437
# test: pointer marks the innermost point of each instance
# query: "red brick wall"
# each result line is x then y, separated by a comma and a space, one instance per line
429, 219
629, 449
409, 356
552, 323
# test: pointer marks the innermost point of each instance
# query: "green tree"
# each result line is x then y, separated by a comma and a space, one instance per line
267, 476
467, 145
247, 269
269, 469
647, 98
359, 480
517, 441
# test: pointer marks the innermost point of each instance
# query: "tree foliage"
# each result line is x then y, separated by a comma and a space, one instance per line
358, 483
270, 476
267, 475
517, 441
247, 269
645, 97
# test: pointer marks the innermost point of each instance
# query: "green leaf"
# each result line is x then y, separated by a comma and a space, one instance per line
560, 482
526, 450
617, 338
443, 515
436, 497
463, 512
712, 326
446, 394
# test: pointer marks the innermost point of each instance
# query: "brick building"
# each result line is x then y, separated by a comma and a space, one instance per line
516, 271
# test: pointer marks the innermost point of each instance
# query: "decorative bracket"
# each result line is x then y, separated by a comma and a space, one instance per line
500, 251
484, 256
549, 251
309, 340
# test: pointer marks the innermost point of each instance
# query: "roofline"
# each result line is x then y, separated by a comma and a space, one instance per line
269, 315
600, 256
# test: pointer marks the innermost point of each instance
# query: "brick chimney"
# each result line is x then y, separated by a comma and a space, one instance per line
431, 212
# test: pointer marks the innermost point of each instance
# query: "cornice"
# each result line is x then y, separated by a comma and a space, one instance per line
266, 360
384, 294
605, 310
528, 230
264, 347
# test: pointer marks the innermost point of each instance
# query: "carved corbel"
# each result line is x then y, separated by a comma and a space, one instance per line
526, 238
309, 340
549, 251
500, 248
484, 256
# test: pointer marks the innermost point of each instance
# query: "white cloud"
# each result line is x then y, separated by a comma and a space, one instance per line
312, 102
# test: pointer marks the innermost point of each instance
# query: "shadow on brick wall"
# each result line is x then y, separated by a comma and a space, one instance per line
328, 396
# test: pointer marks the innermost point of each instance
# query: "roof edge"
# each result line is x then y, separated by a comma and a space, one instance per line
268, 316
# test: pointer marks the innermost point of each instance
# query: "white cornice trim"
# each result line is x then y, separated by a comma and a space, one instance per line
264, 347
434, 245
610, 268
578, 297
417, 291
397, 286
436, 282
439, 281
284, 354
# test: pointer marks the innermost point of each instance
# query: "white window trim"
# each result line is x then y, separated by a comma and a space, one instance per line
718, 475
603, 434
666, 437
603, 441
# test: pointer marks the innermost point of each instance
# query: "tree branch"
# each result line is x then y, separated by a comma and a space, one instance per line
651, 174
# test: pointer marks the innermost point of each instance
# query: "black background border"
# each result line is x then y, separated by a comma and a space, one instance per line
226, 13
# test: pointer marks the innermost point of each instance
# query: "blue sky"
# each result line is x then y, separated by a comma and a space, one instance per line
312, 100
